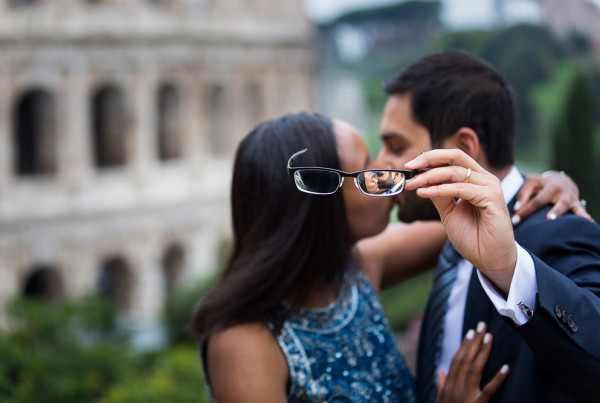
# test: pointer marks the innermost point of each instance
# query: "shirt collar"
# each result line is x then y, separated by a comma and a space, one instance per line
511, 184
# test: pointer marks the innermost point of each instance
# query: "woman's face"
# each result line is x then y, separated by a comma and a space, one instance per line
367, 216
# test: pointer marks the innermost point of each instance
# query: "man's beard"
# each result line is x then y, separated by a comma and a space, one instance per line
413, 208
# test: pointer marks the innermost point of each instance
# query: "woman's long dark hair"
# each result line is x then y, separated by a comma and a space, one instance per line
286, 243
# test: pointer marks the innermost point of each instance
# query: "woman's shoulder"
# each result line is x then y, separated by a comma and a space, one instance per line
242, 340
244, 359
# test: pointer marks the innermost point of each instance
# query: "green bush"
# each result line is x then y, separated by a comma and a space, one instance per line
406, 300
76, 351
172, 376
69, 352
179, 309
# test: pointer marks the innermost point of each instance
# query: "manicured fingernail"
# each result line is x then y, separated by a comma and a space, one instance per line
517, 205
516, 220
480, 327
470, 334
504, 369
486, 338
552, 216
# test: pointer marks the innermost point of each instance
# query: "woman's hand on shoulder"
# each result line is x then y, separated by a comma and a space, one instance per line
461, 385
551, 187
245, 364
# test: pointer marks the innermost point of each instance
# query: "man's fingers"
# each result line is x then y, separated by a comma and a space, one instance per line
493, 385
443, 157
466, 191
450, 174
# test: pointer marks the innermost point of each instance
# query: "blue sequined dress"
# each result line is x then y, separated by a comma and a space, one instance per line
345, 352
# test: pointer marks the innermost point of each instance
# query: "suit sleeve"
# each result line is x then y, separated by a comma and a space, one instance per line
564, 332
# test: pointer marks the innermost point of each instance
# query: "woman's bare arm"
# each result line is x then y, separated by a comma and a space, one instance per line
401, 252
245, 364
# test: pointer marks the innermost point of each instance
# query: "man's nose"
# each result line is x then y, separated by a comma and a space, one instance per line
383, 159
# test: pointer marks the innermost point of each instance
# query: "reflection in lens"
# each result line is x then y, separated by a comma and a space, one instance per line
381, 182
317, 181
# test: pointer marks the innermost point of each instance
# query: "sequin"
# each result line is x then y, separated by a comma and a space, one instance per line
346, 351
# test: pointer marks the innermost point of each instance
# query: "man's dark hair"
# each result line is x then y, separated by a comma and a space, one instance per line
454, 89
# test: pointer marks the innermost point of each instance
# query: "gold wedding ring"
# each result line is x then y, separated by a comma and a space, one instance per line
468, 177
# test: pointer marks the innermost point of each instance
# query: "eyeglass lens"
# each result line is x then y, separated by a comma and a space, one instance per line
372, 183
317, 181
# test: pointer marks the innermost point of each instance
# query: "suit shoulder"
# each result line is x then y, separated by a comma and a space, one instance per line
536, 230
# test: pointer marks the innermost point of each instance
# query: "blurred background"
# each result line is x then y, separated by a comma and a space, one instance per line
118, 123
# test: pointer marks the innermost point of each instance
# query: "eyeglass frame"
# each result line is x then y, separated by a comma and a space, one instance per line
408, 174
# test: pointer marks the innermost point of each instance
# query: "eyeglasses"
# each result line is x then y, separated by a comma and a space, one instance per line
326, 181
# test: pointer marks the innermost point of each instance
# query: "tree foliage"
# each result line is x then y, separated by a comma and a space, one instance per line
574, 146
76, 351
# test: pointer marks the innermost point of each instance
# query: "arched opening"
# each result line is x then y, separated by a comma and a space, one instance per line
255, 103
115, 282
35, 134
44, 283
172, 262
168, 125
109, 127
217, 118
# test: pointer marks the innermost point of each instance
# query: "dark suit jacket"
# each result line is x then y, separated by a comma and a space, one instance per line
555, 357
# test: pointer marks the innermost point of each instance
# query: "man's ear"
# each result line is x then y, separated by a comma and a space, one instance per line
466, 140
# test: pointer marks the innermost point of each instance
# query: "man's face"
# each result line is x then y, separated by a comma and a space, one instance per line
403, 140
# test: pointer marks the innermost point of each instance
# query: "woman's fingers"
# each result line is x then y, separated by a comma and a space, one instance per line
488, 391
533, 204
579, 209
462, 363
530, 187
441, 380
482, 356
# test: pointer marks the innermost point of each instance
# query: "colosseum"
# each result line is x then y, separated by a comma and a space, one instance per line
118, 122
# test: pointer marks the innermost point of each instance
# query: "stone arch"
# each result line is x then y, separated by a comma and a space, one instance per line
34, 133
44, 282
109, 126
116, 282
217, 117
255, 102
173, 261
169, 123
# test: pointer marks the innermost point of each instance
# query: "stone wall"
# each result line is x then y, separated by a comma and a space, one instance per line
165, 89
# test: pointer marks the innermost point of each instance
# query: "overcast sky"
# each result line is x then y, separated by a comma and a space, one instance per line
455, 13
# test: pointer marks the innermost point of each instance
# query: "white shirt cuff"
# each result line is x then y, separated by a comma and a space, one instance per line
520, 302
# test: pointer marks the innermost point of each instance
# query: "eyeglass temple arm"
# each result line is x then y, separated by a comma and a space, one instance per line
291, 160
